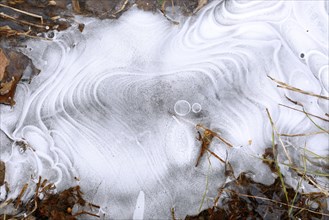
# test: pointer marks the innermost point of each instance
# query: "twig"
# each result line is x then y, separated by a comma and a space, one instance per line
23, 12
5, 16
294, 89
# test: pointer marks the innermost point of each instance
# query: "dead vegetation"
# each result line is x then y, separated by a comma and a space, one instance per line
243, 198
12, 66
240, 198
2, 172
45, 204
206, 140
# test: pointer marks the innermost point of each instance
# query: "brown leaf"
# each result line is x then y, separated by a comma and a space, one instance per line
6, 87
4, 62
18, 63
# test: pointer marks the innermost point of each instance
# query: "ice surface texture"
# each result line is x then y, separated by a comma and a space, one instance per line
102, 109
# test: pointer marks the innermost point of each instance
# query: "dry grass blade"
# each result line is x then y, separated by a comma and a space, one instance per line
18, 201
85, 213
169, 19
216, 135
172, 210
298, 170
294, 89
277, 133
8, 32
274, 201
316, 125
5, 16
76, 6
201, 3
324, 191
124, 5
304, 174
275, 160
23, 12
5, 203
206, 188
302, 111
302, 135
223, 140
215, 155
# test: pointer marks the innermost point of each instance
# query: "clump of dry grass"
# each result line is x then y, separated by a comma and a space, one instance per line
244, 198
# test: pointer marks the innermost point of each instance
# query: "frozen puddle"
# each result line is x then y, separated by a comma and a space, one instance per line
114, 108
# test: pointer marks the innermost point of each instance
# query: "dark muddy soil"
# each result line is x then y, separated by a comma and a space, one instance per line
66, 205
245, 199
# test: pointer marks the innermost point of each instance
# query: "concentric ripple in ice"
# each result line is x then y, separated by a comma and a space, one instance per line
116, 106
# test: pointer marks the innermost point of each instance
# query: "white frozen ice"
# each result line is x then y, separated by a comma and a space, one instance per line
103, 107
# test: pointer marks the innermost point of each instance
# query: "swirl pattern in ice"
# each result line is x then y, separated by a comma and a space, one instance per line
116, 106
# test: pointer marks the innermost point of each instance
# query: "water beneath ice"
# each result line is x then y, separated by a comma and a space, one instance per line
116, 106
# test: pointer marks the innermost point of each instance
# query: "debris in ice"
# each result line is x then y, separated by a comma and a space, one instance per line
112, 105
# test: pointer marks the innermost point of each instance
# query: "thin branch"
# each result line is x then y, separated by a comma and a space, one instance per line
23, 12
5, 16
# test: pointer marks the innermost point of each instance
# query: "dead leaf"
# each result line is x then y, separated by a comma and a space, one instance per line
18, 63
6, 87
4, 62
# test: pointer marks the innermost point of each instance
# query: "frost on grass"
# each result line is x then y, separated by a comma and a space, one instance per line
115, 107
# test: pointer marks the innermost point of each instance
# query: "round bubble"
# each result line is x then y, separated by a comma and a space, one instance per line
196, 108
182, 107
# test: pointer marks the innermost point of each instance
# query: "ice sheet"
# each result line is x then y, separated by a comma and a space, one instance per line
103, 107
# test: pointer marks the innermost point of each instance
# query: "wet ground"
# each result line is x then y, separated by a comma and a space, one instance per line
245, 199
